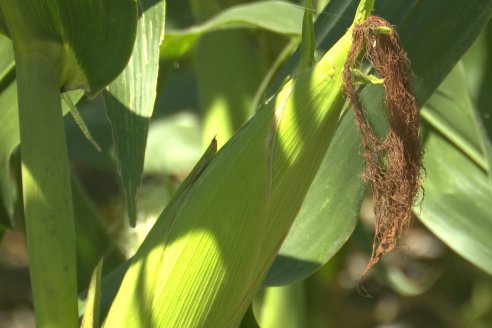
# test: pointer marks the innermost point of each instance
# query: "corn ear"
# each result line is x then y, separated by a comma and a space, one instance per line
165, 286
201, 265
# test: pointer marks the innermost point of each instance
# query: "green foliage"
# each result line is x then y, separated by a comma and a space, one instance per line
130, 101
456, 209
280, 197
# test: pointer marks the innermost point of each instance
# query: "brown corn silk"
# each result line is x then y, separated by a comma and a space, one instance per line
393, 164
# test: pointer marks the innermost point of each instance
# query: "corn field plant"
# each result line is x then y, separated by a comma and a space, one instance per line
276, 170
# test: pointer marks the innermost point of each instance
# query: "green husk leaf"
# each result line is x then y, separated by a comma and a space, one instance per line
112, 282
168, 257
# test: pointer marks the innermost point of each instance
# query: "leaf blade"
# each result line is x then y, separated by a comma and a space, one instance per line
130, 101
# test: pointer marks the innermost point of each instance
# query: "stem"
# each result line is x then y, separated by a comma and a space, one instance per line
363, 11
47, 193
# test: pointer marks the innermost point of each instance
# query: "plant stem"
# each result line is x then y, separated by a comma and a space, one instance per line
47, 192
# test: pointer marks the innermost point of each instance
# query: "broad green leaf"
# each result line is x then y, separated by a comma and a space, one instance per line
276, 16
337, 212
463, 126
61, 30
92, 308
130, 100
456, 206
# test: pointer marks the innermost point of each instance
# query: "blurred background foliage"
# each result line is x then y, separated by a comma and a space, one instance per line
424, 283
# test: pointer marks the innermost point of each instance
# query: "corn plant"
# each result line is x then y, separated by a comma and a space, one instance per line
277, 191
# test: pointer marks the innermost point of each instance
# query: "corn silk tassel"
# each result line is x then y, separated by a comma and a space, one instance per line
393, 164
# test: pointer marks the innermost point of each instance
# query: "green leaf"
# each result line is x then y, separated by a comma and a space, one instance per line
60, 30
337, 212
286, 20
456, 206
91, 313
130, 101
451, 112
